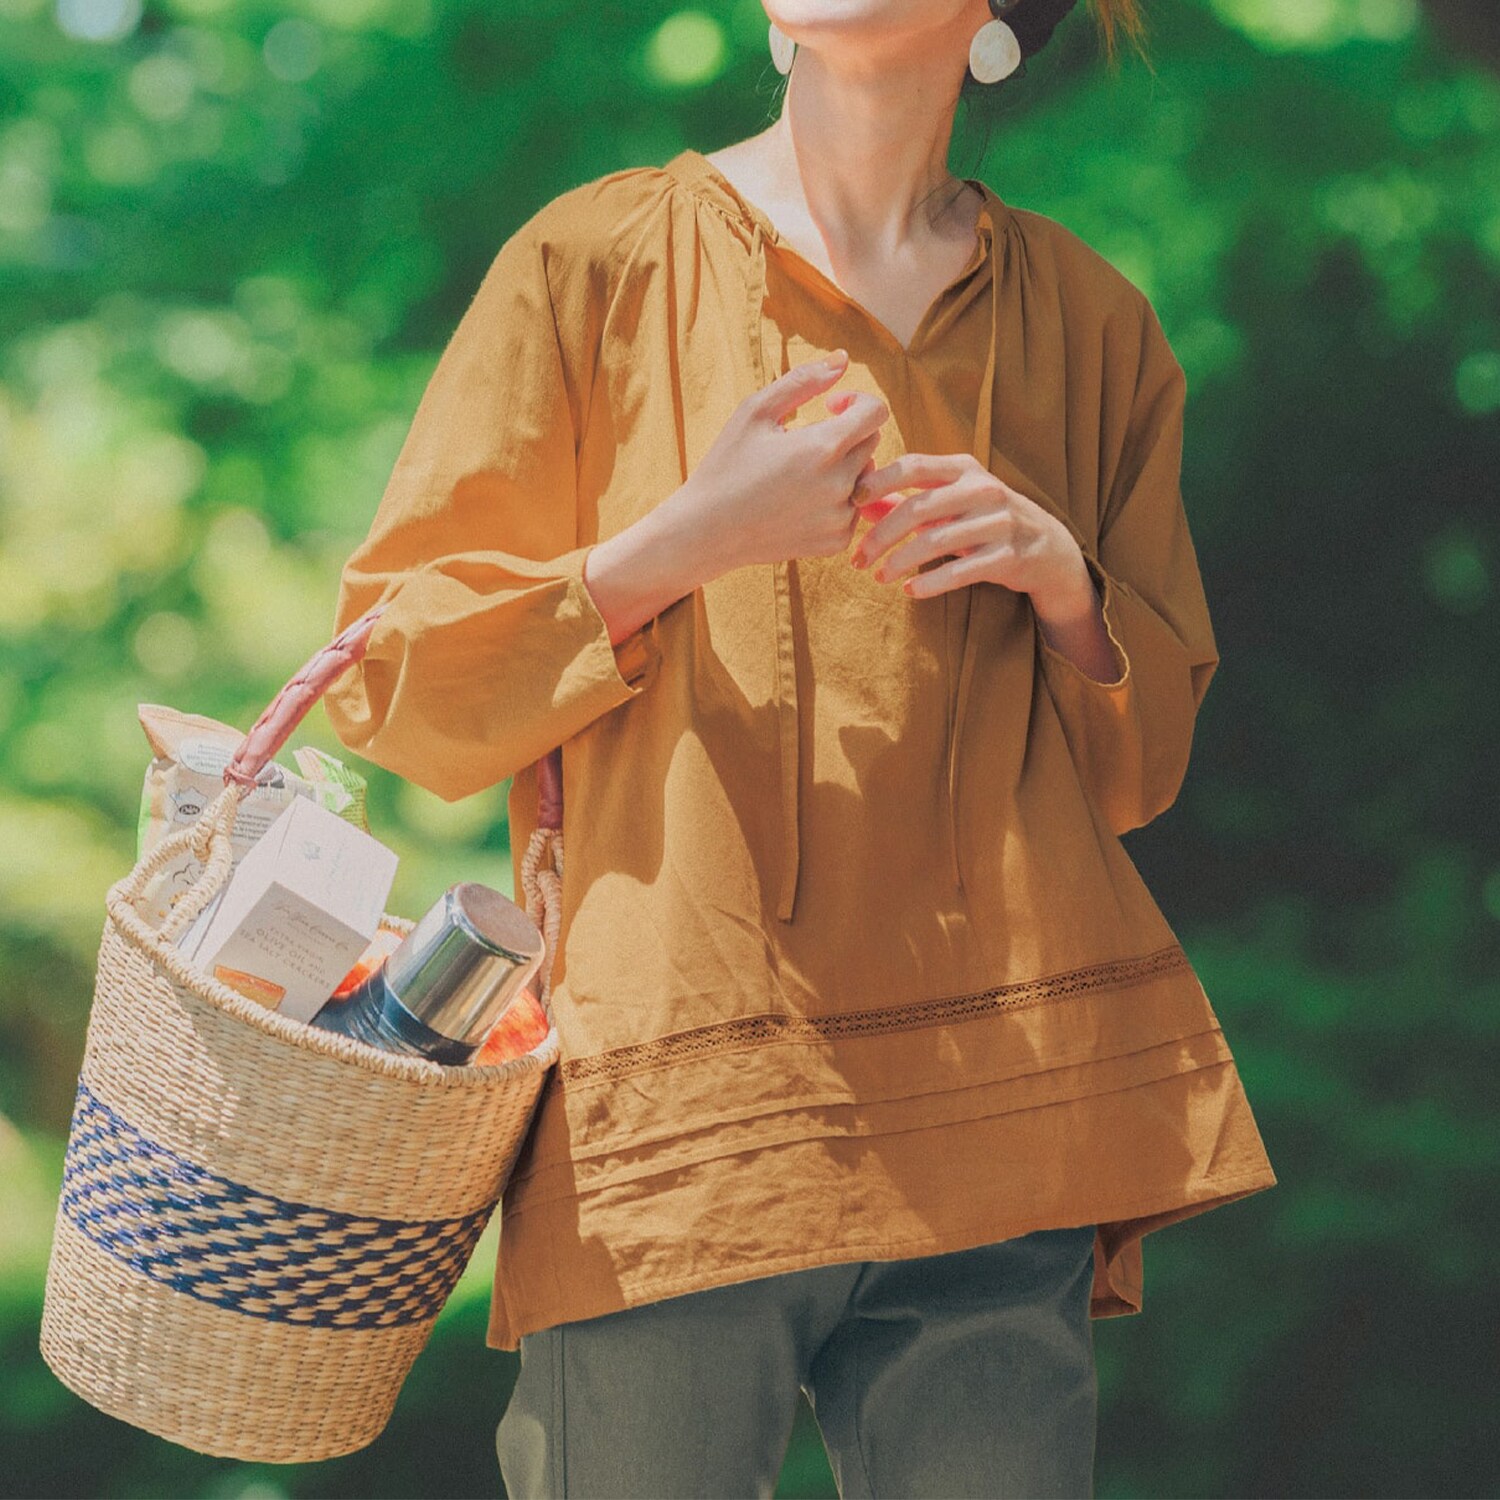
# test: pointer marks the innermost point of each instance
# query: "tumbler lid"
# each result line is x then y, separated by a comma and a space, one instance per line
460, 967
495, 922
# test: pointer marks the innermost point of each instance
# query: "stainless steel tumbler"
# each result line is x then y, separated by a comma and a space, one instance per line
441, 991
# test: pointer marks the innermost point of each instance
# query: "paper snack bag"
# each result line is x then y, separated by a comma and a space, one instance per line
187, 773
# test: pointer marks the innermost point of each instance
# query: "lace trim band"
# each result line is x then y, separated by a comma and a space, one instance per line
744, 1030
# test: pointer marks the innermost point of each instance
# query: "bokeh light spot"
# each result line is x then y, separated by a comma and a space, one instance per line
293, 48
199, 346
1455, 571
98, 20
165, 644
1476, 382
687, 50
118, 154
1387, 20
161, 87
1318, 25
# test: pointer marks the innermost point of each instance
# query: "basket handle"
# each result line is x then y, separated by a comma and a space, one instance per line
292, 704
209, 836
209, 839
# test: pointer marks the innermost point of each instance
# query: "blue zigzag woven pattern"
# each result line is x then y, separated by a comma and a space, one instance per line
244, 1250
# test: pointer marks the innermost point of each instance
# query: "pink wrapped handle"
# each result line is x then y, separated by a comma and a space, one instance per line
293, 703
549, 793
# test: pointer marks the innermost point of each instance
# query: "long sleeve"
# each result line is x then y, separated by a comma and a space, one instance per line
491, 650
1131, 738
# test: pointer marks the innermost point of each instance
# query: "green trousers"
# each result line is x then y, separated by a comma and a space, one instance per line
970, 1373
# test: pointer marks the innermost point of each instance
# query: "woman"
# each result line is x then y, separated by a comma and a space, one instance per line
878, 1059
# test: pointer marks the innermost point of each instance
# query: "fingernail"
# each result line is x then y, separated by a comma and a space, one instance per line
834, 360
857, 559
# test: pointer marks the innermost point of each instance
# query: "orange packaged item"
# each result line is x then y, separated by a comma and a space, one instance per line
523, 1024
252, 986
382, 945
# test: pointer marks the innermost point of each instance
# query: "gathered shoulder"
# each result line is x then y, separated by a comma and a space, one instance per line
588, 234
1077, 264
1091, 287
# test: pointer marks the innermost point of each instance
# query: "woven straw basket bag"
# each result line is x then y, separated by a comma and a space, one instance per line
259, 1220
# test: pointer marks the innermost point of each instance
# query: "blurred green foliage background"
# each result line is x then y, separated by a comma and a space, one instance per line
233, 239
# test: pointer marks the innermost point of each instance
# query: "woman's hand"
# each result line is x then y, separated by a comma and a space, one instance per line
994, 535
765, 493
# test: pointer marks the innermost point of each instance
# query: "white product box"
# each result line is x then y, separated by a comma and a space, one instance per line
300, 908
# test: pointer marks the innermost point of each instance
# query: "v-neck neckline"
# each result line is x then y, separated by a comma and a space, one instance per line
985, 227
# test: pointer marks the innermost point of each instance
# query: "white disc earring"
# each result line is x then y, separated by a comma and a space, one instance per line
994, 52
782, 49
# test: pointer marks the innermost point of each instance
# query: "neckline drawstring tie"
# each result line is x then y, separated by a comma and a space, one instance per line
769, 366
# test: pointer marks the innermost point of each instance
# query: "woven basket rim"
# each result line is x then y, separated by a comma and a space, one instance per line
166, 960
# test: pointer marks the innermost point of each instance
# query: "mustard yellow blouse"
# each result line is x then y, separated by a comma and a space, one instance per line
853, 964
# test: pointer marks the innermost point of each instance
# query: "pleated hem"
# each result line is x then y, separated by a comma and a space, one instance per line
1131, 1160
